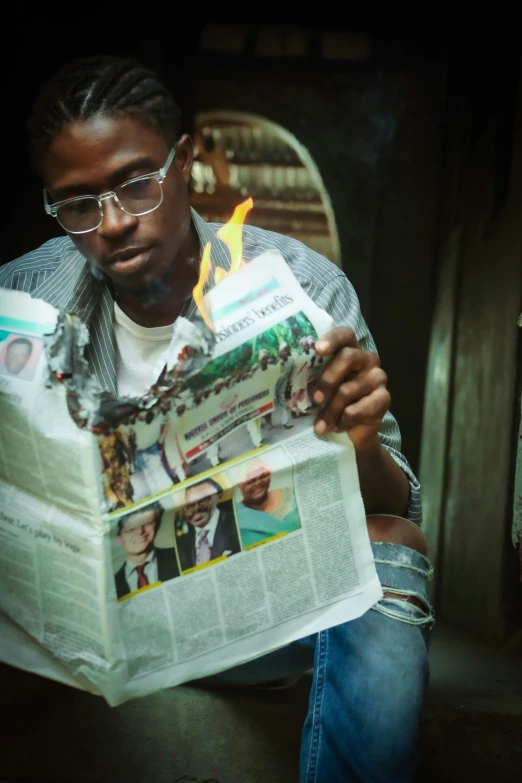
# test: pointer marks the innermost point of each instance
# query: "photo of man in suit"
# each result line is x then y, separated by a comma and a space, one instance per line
20, 356
145, 563
212, 528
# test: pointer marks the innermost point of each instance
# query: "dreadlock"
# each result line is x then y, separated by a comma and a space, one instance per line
100, 85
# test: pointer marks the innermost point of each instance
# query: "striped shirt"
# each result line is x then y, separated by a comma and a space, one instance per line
58, 273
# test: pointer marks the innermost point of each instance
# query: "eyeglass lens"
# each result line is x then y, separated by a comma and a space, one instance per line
134, 198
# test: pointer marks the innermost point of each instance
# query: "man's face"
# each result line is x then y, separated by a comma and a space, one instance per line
138, 533
306, 347
255, 487
16, 357
284, 353
200, 504
93, 157
263, 362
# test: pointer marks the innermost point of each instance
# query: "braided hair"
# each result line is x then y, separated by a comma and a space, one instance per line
102, 85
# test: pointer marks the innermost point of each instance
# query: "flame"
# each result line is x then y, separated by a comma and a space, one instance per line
219, 274
197, 292
232, 235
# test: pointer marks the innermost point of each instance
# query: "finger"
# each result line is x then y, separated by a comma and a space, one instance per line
330, 342
368, 411
350, 392
325, 423
345, 362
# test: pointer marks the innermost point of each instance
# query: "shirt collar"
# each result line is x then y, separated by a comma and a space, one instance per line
131, 567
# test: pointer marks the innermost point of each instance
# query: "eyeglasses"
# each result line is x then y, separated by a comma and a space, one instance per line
138, 196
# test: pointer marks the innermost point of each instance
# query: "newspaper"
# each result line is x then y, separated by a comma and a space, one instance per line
154, 541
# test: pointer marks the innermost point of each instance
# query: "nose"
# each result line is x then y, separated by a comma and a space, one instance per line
115, 221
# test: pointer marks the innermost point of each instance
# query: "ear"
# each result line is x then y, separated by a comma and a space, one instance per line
185, 157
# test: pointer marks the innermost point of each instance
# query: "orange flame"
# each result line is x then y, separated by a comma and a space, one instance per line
232, 235
197, 292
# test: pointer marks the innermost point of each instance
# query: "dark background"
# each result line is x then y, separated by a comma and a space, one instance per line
373, 129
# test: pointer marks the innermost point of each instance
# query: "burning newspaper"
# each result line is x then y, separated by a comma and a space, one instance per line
153, 541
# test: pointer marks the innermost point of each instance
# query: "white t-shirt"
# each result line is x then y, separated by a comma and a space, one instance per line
138, 348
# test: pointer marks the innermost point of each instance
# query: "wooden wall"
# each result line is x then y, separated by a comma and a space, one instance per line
470, 404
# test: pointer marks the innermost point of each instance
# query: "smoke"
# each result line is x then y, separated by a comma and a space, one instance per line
380, 109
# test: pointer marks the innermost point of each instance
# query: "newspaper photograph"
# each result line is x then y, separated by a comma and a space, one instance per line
262, 384
153, 541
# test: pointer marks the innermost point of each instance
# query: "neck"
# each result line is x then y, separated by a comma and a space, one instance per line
258, 504
138, 559
161, 301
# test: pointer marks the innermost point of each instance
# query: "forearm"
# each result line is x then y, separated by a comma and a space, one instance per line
385, 487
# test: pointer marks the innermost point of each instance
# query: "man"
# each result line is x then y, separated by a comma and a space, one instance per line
311, 378
97, 125
262, 512
145, 564
299, 402
263, 358
212, 531
17, 354
218, 385
253, 427
172, 457
286, 367
149, 474
265, 362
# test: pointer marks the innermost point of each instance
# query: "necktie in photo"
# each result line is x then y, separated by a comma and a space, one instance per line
203, 549
143, 579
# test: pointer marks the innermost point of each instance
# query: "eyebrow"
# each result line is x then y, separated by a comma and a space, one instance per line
145, 165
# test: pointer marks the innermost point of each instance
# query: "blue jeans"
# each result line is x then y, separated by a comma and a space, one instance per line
369, 680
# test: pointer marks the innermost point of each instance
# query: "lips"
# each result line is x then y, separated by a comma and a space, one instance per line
128, 254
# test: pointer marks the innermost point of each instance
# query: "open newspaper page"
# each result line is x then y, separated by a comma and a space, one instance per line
51, 553
198, 527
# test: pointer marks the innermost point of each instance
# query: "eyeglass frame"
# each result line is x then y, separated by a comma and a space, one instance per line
52, 209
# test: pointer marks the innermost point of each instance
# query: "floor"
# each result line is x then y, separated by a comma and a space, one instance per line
473, 717
54, 734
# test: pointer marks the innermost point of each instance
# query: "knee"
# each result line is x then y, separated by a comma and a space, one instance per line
396, 530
